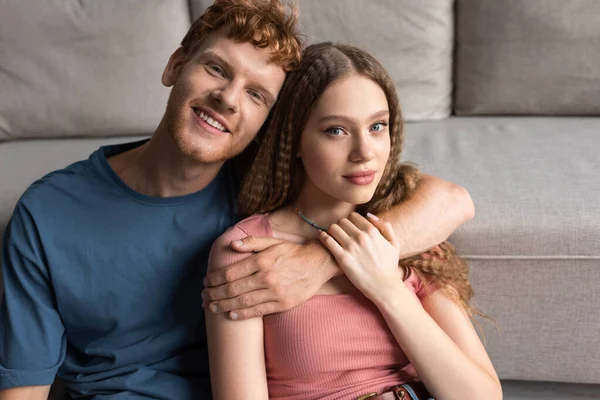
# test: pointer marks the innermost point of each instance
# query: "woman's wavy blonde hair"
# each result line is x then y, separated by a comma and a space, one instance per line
276, 175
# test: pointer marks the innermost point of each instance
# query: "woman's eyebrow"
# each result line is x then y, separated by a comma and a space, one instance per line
378, 114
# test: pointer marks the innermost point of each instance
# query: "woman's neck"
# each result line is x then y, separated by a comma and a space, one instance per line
316, 206
323, 214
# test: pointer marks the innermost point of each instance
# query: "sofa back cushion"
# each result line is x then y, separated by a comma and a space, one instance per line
528, 57
85, 68
412, 38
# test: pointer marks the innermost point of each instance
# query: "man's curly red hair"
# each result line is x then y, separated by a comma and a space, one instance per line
264, 23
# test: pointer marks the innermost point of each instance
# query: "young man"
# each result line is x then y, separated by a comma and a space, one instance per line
104, 260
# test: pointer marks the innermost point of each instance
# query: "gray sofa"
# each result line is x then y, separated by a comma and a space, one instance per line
502, 97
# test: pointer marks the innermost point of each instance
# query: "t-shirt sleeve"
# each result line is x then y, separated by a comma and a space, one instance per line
32, 338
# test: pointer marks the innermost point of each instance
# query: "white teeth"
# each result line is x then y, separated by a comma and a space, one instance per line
211, 121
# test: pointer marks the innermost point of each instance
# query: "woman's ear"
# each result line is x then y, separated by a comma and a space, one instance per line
173, 68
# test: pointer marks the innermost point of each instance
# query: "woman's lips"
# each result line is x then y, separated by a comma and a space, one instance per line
362, 178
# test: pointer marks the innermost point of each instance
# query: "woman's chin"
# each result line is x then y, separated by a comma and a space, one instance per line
359, 198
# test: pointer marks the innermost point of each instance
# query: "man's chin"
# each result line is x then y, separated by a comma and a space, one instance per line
204, 156
199, 150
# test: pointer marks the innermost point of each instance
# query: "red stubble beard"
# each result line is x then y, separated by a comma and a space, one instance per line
185, 132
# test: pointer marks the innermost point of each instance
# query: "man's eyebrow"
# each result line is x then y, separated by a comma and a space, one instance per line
212, 54
270, 96
376, 115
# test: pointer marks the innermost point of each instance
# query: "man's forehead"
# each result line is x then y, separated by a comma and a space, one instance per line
234, 51
225, 45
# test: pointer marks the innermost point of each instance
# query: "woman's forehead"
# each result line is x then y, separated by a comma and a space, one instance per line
352, 96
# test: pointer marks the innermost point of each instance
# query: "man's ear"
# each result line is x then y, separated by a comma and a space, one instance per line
173, 68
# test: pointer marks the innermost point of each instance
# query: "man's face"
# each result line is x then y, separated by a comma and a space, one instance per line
221, 97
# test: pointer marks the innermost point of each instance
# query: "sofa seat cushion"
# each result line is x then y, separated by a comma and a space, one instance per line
533, 246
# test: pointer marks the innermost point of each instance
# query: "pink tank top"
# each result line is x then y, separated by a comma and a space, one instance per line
330, 347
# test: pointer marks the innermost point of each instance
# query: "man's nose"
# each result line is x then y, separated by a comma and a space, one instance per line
228, 96
363, 149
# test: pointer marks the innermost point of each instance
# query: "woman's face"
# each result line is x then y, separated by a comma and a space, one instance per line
345, 144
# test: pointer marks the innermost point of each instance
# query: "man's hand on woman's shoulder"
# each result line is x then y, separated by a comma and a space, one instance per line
280, 276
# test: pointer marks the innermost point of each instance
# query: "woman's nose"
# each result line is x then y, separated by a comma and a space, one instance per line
363, 149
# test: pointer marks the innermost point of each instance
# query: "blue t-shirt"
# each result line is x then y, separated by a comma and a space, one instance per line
103, 284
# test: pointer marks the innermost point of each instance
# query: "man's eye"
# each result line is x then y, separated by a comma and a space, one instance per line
255, 95
335, 131
216, 69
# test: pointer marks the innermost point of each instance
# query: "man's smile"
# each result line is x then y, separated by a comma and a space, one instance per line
205, 117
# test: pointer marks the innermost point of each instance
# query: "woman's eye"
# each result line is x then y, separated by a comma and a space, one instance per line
378, 127
335, 131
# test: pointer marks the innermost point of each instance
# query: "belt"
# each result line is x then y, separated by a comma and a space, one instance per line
412, 391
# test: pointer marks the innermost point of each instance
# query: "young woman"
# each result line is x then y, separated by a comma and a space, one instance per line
327, 163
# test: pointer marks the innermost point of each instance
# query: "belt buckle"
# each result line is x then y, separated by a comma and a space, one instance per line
367, 396
399, 392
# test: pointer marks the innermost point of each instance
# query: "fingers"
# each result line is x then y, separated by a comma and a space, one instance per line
242, 302
349, 227
373, 225
332, 245
386, 228
361, 222
234, 272
356, 224
357, 228
232, 289
254, 244
340, 235
257, 311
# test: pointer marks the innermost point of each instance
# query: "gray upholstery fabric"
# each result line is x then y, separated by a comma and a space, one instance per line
528, 57
533, 180
197, 7
534, 244
85, 68
546, 317
412, 38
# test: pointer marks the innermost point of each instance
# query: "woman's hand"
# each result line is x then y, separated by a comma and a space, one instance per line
367, 251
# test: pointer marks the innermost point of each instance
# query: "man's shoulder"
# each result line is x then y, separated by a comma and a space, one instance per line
78, 178
60, 184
